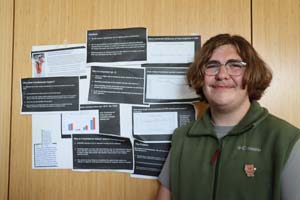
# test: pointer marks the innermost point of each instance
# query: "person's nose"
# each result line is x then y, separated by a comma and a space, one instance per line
222, 73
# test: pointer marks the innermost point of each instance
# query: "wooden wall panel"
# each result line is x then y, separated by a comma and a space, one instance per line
6, 41
276, 31
58, 21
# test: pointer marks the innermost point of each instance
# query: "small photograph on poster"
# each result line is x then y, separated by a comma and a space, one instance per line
158, 122
149, 158
50, 94
119, 46
109, 117
117, 85
102, 152
38, 68
167, 84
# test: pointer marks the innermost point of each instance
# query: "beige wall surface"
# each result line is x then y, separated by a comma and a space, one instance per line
6, 41
273, 25
66, 21
276, 36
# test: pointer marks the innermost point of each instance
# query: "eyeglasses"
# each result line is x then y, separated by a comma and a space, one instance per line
233, 67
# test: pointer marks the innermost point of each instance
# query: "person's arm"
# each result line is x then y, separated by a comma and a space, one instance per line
163, 193
290, 179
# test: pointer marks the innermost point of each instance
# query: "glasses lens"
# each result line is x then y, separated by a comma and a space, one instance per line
235, 67
212, 68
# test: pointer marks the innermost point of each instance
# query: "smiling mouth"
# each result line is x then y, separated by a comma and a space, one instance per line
221, 87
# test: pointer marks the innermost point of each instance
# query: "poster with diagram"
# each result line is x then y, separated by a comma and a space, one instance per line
110, 104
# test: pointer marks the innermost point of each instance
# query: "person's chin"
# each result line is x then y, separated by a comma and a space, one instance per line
220, 101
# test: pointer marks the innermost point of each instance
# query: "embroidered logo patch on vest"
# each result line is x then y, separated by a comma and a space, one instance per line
250, 170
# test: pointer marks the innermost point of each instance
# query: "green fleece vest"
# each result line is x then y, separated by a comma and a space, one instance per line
206, 168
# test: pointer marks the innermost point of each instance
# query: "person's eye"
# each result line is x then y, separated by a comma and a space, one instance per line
212, 65
235, 64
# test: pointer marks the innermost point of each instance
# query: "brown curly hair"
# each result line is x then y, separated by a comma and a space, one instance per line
257, 76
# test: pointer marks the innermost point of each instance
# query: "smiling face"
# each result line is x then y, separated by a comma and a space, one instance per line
223, 91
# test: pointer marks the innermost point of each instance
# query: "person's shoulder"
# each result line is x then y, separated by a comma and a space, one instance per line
185, 127
183, 130
179, 136
281, 125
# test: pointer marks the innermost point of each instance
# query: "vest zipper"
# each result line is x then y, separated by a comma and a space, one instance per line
215, 162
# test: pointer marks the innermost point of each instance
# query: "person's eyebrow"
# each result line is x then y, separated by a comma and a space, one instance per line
234, 60
230, 60
214, 61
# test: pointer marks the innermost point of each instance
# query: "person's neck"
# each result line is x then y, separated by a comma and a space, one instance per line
229, 117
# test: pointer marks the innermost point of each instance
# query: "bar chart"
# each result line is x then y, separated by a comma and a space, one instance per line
86, 121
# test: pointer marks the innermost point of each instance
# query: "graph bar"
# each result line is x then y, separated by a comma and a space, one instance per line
70, 127
93, 123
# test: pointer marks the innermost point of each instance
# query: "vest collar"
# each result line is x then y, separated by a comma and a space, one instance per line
254, 116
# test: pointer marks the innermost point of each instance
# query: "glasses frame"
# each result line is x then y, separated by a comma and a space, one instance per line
242, 63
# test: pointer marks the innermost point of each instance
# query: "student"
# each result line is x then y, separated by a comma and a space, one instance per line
237, 150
